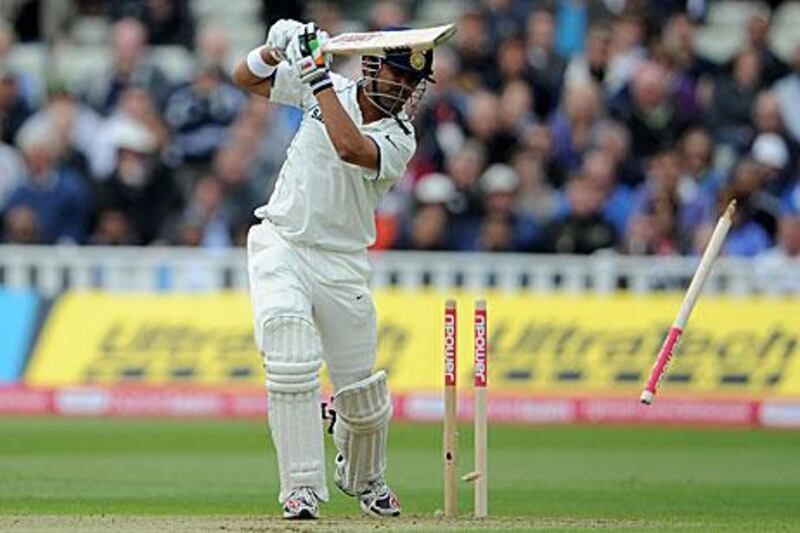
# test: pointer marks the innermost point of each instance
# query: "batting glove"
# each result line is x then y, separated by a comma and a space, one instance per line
305, 55
282, 32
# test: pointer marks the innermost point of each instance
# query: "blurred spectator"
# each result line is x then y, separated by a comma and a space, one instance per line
140, 189
772, 66
512, 62
213, 47
242, 194
57, 195
327, 15
788, 92
771, 153
427, 227
386, 15
584, 230
654, 230
697, 152
504, 228
772, 267
135, 105
167, 21
748, 187
113, 228
440, 122
37, 21
503, 18
678, 39
650, 115
206, 221
768, 124
12, 170
540, 141
732, 106
76, 125
129, 68
626, 53
767, 113
473, 50
746, 238
27, 85
682, 87
14, 109
516, 108
572, 125
599, 172
593, 63
546, 64
464, 168
613, 139
199, 114
260, 132
535, 197
483, 125
21, 226
665, 179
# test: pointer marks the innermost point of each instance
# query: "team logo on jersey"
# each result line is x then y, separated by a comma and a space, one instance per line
316, 114
417, 60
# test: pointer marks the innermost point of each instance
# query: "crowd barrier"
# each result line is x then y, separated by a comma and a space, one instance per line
52, 269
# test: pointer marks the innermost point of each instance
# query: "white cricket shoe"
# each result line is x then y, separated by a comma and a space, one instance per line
302, 504
376, 500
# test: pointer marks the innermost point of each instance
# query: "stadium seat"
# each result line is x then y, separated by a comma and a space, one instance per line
175, 61
787, 14
731, 14
30, 59
435, 11
76, 65
783, 40
783, 35
717, 43
90, 31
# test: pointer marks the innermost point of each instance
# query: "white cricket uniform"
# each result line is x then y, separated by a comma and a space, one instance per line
308, 257
308, 271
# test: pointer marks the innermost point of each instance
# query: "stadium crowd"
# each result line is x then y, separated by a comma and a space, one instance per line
554, 126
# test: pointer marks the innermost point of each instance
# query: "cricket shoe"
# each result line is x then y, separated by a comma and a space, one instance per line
376, 500
302, 504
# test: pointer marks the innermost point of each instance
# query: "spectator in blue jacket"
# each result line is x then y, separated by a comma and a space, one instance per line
56, 194
505, 227
200, 112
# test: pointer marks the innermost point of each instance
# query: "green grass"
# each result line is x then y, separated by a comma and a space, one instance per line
699, 478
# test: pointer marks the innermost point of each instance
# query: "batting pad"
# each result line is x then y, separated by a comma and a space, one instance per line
363, 412
293, 357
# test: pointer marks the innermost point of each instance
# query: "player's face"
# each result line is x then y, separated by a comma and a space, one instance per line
395, 83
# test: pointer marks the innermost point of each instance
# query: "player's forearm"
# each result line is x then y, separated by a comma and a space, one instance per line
350, 144
252, 73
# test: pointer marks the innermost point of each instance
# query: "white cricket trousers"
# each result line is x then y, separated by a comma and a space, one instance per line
327, 288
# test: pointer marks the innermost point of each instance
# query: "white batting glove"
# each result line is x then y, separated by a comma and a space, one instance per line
305, 54
281, 34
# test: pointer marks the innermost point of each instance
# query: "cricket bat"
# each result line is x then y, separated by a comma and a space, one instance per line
377, 43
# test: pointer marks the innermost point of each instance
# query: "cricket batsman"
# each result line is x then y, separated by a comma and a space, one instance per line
307, 259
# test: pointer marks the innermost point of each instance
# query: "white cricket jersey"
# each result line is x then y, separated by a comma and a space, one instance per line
320, 200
